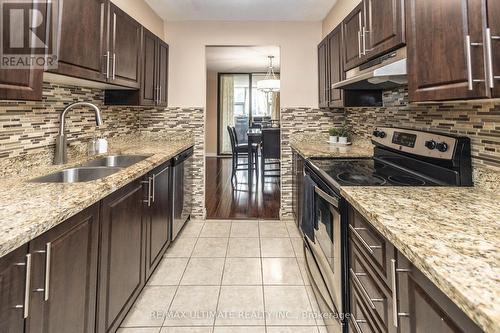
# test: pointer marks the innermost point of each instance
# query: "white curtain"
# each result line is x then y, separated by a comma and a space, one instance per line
227, 105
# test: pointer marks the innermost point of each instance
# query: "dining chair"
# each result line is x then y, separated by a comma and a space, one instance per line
270, 150
240, 150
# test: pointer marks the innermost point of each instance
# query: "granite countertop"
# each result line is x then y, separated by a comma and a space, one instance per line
29, 209
316, 145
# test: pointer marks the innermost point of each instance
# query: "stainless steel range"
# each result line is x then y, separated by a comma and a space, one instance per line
402, 157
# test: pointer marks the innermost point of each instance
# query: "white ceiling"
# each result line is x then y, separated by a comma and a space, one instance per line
241, 59
242, 10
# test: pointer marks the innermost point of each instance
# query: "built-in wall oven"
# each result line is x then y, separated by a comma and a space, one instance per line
324, 250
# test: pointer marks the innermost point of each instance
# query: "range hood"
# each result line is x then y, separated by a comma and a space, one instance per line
385, 72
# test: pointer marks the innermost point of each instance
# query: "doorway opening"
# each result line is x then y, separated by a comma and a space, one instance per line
242, 107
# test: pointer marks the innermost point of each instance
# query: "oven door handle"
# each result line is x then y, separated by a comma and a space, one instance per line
331, 200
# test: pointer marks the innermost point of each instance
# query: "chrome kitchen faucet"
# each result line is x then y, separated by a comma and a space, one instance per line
61, 155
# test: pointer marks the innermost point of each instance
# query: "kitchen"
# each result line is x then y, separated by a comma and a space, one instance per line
103, 156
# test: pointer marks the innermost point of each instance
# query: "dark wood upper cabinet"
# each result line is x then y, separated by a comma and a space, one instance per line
125, 48
493, 10
64, 276
428, 309
443, 64
352, 30
158, 216
384, 28
121, 273
323, 74
83, 39
22, 84
162, 73
13, 272
335, 66
148, 89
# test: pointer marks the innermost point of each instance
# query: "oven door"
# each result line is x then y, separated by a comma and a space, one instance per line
324, 258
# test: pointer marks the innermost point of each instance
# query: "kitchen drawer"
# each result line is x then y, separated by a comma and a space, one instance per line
361, 319
373, 246
375, 295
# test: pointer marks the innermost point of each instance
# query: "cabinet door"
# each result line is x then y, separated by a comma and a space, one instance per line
428, 308
384, 28
336, 71
438, 62
125, 48
83, 39
162, 72
13, 273
149, 58
65, 276
121, 273
494, 25
323, 74
351, 29
158, 218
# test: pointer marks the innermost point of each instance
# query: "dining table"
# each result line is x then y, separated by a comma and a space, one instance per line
254, 136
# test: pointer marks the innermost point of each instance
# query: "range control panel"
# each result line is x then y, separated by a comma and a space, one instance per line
416, 142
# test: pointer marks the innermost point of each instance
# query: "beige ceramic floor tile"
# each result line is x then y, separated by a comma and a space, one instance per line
193, 306
276, 247
273, 230
207, 329
244, 247
298, 247
292, 329
240, 305
203, 272
169, 272
182, 247
245, 220
216, 229
314, 305
139, 330
191, 229
239, 329
293, 231
218, 221
249, 229
303, 271
293, 301
281, 271
150, 307
270, 221
210, 248
242, 271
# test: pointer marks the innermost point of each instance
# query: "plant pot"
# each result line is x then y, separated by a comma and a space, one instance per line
343, 140
334, 139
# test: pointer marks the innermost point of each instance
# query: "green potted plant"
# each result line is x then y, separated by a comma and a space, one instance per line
344, 134
334, 135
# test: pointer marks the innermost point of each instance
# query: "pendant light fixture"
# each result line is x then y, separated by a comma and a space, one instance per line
270, 82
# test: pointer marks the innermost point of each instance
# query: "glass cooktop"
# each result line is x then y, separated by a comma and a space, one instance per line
367, 172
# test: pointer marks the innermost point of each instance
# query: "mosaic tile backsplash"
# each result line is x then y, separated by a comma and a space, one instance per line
478, 120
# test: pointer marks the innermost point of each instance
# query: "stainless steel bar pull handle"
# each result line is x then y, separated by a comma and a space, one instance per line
395, 312
356, 323
489, 58
360, 52
153, 181
362, 240
363, 290
148, 182
27, 287
107, 64
468, 51
48, 248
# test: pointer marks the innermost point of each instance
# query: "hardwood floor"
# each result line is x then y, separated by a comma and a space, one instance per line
226, 201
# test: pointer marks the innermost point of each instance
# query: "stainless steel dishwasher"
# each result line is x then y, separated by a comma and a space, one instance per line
182, 200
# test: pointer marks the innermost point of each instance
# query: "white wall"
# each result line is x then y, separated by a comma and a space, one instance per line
297, 41
143, 14
337, 14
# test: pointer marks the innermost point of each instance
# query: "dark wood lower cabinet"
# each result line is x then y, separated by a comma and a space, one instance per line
121, 273
13, 272
64, 276
429, 310
158, 217
375, 266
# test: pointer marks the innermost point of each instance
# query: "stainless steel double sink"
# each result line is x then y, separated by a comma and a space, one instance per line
92, 170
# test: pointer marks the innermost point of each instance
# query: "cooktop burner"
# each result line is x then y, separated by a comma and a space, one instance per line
367, 172
359, 179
